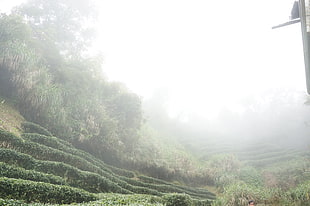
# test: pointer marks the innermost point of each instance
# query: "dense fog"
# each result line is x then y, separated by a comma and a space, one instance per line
280, 118
222, 72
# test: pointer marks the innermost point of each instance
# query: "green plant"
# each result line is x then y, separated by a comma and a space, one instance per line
31, 127
174, 199
31, 191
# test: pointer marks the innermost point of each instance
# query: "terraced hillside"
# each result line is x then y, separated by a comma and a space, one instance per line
258, 154
38, 167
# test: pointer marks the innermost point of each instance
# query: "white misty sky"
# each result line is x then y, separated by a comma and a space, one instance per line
206, 54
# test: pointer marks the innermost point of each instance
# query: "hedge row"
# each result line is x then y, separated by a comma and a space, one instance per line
41, 152
267, 161
11, 202
35, 128
166, 188
183, 189
177, 199
21, 173
59, 144
31, 191
109, 199
126, 183
64, 146
91, 182
268, 155
96, 180
30, 127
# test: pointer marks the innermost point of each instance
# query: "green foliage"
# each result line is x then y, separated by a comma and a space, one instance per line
134, 200
251, 176
300, 194
17, 59
30, 127
30, 191
64, 146
101, 179
20, 173
11, 202
42, 66
59, 23
177, 199
239, 193
223, 169
89, 181
166, 187
13, 29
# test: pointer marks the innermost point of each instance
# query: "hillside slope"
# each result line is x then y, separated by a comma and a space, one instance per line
41, 168
10, 118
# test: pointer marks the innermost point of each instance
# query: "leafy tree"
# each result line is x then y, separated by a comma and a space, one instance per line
43, 66
60, 24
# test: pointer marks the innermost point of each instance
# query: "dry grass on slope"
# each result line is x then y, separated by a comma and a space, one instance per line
10, 118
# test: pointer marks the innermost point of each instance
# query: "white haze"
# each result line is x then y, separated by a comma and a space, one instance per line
220, 64
205, 54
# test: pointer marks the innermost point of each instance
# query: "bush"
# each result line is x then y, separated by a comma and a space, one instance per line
251, 176
10, 202
177, 199
30, 191
30, 127
300, 194
87, 180
20, 173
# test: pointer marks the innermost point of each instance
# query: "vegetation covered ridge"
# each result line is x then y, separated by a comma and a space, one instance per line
55, 163
90, 128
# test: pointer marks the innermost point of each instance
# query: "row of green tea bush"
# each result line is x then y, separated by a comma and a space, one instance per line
52, 141
273, 154
42, 152
30, 127
267, 161
111, 199
103, 181
31, 191
64, 146
164, 188
10, 171
199, 192
45, 153
89, 181
86, 180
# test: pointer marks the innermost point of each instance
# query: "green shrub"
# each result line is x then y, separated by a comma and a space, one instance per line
71, 165
251, 176
300, 194
30, 191
176, 199
65, 146
10, 202
132, 200
16, 158
202, 202
87, 180
20, 173
164, 186
31, 127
